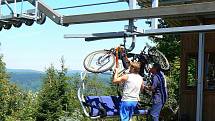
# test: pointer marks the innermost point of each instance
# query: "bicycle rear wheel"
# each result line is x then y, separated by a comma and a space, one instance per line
158, 57
99, 61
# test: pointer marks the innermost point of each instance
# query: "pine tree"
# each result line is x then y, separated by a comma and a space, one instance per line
10, 95
53, 100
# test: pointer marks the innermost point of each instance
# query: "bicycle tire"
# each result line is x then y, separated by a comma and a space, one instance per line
158, 57
89, 58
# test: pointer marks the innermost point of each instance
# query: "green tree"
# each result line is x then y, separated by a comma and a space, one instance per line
26, 108
10, 94
54, 98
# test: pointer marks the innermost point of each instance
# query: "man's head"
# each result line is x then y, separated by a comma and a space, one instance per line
155, 68
134, 67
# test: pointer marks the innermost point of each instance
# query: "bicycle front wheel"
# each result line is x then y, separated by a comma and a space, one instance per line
158, 57
99, 61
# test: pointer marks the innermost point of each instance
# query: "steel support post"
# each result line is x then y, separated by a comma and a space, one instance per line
15, 12
132, 5
155, 20
200, 76
0, 8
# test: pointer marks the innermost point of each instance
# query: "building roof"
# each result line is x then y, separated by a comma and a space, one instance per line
147, 3
181, 21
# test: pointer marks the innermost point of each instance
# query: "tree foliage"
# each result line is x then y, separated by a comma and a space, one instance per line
13, 100
54, 98
8, 101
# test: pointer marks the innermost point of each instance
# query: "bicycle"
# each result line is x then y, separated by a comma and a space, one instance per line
104, 60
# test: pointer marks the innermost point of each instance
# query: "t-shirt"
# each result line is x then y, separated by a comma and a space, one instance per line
160, 87
131, 87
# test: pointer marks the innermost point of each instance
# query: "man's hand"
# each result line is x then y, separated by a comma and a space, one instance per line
118, 80
147, 87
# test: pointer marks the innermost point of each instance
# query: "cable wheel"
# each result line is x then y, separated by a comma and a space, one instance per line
99, 61
29, 22
42, 18
7, 26
17, 24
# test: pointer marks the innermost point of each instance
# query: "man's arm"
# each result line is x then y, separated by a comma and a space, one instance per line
154, 84
118, 80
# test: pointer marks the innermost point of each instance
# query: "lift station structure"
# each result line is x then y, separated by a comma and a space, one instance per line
192, 19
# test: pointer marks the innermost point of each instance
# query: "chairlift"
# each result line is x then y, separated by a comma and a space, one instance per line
96, 107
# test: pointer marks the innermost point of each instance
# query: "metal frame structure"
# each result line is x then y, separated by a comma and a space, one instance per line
16, 19
200, 84
155, 20
150, 32
189, 11
174, 12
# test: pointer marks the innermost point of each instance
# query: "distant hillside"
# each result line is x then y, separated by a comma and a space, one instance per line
32, 80
23, 71
26, 79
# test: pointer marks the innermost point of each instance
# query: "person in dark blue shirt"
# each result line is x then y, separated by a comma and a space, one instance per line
159, 91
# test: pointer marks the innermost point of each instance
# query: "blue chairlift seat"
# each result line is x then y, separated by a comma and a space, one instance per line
106, 106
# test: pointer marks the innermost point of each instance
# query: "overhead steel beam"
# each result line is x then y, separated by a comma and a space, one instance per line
98, 36
49, 12
196, 9
150, 32
175, 30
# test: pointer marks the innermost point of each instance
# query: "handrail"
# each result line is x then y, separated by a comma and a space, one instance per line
7, 4
14, 7
81, 95
0, 8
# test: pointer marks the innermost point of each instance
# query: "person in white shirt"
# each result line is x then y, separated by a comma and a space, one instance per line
132, 85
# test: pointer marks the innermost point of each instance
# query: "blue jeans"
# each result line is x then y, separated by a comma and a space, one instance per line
155, 110
127, 110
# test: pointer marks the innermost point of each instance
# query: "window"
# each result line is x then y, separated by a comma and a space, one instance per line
210, 71
191, 71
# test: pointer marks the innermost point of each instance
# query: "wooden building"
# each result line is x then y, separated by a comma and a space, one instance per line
188, 82
189, 60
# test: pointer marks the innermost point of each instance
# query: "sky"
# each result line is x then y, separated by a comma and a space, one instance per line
37, 47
